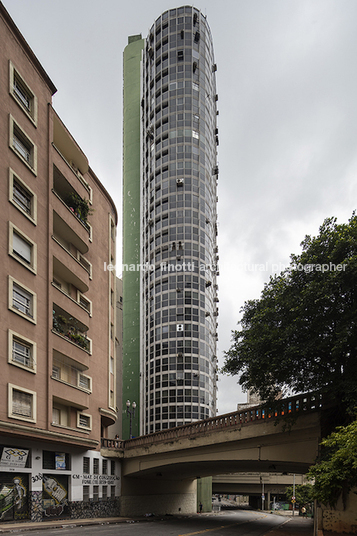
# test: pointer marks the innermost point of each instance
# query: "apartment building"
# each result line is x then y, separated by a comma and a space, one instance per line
170, 223
58, 305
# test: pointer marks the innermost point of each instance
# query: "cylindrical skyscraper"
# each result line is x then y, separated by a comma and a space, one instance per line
178, 222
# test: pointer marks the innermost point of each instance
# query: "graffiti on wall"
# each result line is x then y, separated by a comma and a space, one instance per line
13, 496
54, 495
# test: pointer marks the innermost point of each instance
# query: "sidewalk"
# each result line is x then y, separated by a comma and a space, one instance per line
294, 526
60, 523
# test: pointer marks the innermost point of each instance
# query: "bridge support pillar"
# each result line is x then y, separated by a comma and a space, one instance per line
157, 496
268, 501
204, 494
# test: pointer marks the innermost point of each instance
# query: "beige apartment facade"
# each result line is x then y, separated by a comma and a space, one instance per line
58, 305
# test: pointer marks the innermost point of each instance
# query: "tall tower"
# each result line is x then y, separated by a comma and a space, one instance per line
170, 222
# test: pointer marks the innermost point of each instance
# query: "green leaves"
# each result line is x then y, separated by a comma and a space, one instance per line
336, 472
303, 494
301, 334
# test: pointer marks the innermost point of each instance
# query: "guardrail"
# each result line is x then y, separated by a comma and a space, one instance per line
307, 402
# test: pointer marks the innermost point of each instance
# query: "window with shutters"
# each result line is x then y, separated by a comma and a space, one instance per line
84, 302
96, 466
85, 493
60, 414
22, 248
23, 146
22, 300
22, 93
84, 421
105, 467
22, 197
21, 403
22, 351
84, 382
86, 465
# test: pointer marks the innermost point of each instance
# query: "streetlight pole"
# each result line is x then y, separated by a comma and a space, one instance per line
130, 413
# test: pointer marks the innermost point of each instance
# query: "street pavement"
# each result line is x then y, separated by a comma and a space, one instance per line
294, 526
239, 523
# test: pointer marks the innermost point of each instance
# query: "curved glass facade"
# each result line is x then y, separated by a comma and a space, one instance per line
178, 291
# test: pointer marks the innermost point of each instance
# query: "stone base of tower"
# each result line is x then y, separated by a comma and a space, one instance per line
159, 497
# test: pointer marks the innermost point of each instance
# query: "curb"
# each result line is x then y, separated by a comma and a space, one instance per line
60, 524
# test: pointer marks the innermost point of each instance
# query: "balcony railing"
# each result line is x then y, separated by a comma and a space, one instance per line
70, 328
304, 403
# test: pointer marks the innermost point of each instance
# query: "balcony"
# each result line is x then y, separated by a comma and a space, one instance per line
64, 277
79, 206
70, 328
65, 394
68, 148
70, 382
67, 237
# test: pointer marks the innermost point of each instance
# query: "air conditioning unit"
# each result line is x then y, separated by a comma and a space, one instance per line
179, 182
179, 327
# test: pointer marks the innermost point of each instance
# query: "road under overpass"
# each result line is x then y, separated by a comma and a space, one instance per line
159, 472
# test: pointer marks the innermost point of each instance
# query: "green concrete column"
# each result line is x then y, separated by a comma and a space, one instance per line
204, 494
131, 231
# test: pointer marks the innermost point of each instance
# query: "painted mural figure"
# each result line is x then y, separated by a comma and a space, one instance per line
21, 492
12, 496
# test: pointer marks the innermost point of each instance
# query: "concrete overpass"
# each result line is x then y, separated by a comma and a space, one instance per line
254, 484
159, 470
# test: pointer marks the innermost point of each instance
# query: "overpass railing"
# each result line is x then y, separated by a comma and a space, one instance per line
252, 415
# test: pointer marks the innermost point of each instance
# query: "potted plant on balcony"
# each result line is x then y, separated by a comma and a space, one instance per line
68, 328
79, 206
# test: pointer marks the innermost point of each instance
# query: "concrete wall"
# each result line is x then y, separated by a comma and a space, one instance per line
140, 497
339, 520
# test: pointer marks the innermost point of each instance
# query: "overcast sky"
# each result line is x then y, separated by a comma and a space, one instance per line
287, 86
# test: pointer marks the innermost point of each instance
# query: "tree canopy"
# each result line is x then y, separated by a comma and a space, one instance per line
336, 472
303, 494
301, 335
